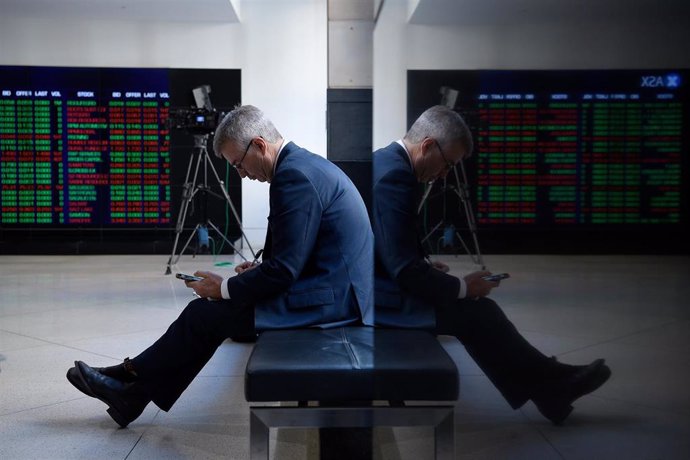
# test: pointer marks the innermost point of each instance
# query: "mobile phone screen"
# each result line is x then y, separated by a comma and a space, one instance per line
496, 277
186, 277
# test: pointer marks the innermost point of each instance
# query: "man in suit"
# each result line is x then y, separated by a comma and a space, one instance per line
411, 291
317, 271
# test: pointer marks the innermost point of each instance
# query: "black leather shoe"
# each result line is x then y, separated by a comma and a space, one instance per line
126, 401
554, 399
123, 372
118, 372
74, 377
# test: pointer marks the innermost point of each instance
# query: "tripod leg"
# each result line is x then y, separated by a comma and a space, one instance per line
189, 240
229, 201
431, 232
188, 193
211, 224
467, 250
469, 214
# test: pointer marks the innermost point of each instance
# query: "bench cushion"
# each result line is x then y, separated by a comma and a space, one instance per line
350, 364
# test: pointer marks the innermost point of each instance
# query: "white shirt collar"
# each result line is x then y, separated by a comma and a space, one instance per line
280, 150
402, 144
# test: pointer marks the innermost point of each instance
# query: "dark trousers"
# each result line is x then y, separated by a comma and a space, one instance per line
168, 366
513, 365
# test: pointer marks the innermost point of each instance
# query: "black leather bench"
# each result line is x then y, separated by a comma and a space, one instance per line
345, 370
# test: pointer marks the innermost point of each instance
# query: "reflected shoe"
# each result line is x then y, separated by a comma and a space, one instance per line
126, 401
555, 398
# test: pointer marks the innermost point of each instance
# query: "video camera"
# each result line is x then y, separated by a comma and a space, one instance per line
194, 120
200, 120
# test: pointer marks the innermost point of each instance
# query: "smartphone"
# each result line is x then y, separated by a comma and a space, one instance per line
496, 277
185, 277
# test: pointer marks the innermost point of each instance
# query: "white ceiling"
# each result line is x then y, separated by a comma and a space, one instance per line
165, 10
431, 12
497, 12
131, 10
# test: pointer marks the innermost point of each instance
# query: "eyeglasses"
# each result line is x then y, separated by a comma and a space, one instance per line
449, 165
238, 165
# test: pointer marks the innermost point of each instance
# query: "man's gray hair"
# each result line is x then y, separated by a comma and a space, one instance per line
442, 124
243, 124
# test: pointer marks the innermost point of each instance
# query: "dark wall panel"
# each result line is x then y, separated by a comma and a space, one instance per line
350, 135
349, 124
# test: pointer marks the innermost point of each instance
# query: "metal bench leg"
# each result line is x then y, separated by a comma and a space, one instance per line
258, 438
444, 437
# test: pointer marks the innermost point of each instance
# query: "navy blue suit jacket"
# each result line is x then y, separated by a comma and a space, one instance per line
317, 267
408, 289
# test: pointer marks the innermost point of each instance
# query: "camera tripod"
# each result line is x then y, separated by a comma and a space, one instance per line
190, 190
461, 189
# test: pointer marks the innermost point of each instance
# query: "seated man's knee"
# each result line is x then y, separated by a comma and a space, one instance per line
487, 309
201, 312
216, 318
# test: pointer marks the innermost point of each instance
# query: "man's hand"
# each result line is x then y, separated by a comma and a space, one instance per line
478, 287
440, 266
246, 265
209, 287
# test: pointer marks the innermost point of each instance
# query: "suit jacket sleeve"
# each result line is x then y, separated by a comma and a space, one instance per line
397, 242
294, 223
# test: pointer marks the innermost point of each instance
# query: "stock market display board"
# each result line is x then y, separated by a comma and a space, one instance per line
578, 148
88, 163
84, 146
580, 157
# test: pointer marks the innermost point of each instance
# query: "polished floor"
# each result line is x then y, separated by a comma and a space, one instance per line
632, 310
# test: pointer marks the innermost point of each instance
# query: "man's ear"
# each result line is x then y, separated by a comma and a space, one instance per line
261, 143
426, 146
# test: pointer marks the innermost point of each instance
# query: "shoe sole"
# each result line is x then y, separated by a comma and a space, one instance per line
112, 411
557, 415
